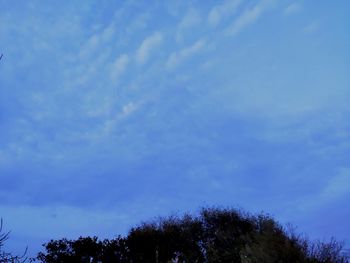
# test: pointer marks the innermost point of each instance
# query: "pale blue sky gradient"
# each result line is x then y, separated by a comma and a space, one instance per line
112, 112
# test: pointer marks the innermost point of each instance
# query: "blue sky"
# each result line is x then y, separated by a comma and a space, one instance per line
113, 112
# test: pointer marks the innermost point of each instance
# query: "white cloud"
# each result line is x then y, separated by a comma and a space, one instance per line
94, 43
176, 57
292, 9
147, 46
312, 27
191, 19
338, 186
90, 46
248, 17
126, 111
108, 32
119, 66
218, 12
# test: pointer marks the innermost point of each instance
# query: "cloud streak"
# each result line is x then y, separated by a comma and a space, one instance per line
248, 17
119, 66
219, 12
177, 57
191, 19
293, 8
148, 45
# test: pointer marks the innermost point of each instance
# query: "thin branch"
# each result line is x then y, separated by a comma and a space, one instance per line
3, 236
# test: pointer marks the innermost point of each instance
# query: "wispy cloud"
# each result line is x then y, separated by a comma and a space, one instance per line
147, 46
311, 27
248, 17
190, 19
292, 8
110, 124
90, 46
177, 57
338, 185
334, 189
93, 44
227, 8
119, 66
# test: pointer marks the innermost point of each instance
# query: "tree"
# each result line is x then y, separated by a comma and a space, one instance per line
6, 257
85, 250
167, 239
214, 235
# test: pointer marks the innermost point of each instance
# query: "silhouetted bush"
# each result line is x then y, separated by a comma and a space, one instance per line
85, 249
167, 239
215, 235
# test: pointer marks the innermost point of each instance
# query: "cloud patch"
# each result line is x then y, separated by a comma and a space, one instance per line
219, 12
338, 185
119, 66
248, 17
177, 57
191, 19
147, 46
311, 27
293, 8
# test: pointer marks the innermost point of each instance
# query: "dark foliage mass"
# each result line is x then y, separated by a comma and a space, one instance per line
215, 235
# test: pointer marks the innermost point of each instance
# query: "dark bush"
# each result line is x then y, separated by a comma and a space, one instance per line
215, 235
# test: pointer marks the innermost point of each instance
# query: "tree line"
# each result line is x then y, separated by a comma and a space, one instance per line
214, 235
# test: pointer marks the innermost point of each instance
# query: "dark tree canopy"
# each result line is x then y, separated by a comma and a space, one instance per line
215, 235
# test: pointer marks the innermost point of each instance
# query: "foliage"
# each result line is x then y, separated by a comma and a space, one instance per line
215, 235
85, 249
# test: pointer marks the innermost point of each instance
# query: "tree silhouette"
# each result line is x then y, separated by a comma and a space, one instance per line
6, 257
214, 235
167, 239
85, 250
